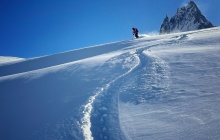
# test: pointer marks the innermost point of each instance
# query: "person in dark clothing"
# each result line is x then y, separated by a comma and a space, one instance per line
135, 32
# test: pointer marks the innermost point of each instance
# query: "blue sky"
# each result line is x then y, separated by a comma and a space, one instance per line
32, 28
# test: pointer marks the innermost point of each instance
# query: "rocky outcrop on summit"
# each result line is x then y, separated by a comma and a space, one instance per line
187, 18
165, 27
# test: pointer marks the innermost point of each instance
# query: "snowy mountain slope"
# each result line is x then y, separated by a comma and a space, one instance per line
180, 93
53, 60
159, 87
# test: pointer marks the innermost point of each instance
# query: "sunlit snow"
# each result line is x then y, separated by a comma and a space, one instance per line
153, 87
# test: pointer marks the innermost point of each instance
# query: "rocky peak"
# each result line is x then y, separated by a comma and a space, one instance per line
187, 18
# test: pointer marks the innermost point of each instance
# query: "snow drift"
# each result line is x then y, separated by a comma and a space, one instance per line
159, 87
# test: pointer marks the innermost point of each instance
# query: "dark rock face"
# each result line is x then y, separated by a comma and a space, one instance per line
187, 18
165, 27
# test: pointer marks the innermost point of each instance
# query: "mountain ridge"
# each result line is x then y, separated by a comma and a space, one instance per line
187, 18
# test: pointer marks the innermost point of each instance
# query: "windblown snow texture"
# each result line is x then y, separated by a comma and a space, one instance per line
4, 60
158, 87
187, 18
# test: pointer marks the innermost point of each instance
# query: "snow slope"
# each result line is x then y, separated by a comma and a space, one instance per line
159, 87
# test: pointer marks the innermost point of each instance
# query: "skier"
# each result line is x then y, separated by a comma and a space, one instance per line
135, 32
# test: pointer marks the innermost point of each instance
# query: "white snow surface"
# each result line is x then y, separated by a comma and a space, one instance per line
8, 59
154, 87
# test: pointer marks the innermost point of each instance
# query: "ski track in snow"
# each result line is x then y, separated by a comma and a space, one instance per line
86, 119
151, 83
142, 54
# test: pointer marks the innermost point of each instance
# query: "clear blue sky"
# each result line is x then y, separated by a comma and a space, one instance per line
31, 28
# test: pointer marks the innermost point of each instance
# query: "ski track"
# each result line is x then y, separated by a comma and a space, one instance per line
87, 111
141, 54
152, 83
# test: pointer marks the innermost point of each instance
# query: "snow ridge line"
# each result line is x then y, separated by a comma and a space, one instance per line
86, 119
